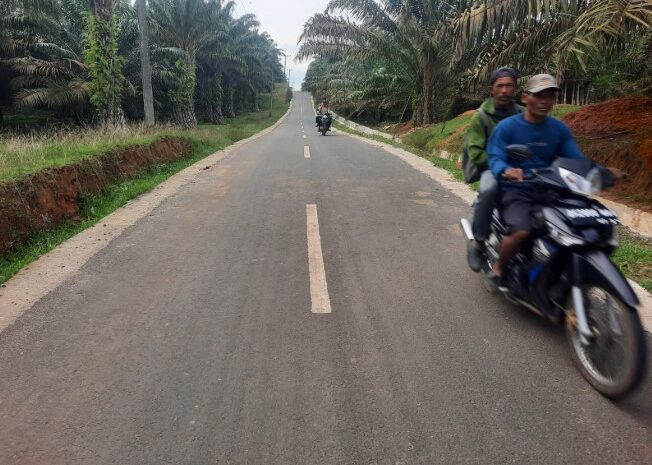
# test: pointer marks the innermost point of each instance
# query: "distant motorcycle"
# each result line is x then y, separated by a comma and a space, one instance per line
324, 123
565, 274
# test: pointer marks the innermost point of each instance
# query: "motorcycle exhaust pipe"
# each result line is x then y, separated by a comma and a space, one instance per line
466, 229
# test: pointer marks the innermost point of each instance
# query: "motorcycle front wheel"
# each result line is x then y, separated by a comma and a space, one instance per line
613, 359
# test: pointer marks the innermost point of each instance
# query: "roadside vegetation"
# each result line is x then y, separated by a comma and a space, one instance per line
79, 63
205, 139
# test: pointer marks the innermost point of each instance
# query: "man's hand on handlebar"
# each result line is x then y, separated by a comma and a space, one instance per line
513, 174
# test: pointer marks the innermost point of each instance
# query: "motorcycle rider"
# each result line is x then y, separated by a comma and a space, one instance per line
548, 138
323, 109
501, 105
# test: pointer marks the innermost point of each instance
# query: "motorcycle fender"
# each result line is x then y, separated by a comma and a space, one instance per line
596, 267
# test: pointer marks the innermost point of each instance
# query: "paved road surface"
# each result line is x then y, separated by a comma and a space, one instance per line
190, 339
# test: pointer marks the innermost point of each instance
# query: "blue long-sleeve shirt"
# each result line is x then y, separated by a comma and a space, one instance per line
548, 140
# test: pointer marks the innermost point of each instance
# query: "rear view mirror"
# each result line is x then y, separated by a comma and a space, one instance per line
519, 153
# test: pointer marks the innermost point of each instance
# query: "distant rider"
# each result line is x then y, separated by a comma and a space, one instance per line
501, 105
323, 109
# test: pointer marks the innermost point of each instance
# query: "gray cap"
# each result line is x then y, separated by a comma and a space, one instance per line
541, 82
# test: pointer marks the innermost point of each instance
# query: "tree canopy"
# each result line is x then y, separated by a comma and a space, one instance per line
426, 55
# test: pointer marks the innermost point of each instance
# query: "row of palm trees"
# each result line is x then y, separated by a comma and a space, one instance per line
425, 57
99, 60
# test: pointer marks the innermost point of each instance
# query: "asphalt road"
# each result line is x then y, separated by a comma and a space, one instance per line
190, 339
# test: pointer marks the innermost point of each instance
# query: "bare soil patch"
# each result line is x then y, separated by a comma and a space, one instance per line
46, 199
618, 132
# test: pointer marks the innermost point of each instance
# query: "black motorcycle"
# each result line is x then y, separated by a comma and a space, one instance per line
564, 273
324, 123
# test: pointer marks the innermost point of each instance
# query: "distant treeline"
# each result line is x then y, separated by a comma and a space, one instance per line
80, 60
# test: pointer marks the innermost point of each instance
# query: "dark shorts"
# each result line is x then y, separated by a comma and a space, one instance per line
518, 208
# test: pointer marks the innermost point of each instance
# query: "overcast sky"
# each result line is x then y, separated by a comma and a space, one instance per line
284, 20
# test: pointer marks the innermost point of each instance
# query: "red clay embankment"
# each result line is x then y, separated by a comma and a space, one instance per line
618, 132
46, 199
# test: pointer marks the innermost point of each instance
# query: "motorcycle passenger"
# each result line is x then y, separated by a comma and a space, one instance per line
501, 105
548, 138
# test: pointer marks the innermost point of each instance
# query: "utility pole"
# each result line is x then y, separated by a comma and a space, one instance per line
145, 64
285, 62
271, 94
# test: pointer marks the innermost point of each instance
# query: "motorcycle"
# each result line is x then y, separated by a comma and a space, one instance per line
564, 273
324, 123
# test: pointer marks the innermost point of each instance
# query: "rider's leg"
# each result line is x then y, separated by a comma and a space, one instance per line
510, 246
482, 211
484, 205
517, 207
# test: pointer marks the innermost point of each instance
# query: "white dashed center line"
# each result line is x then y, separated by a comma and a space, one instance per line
306, 151
321, 302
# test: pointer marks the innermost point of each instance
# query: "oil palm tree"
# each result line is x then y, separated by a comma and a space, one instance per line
104, 61
145, 62
403, 32
189, 26
534, 35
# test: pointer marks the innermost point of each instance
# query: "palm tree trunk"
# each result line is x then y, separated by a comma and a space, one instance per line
217, 96
427, 89
229, 111
145, 64
105, 64
184, 96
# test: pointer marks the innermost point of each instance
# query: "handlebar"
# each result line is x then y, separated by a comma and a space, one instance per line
531, 176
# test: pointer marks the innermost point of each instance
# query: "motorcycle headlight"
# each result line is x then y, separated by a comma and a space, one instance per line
588, 186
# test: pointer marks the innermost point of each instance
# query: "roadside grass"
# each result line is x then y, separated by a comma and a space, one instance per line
432, 138
634, 254
24, 154
205, 140
634, 257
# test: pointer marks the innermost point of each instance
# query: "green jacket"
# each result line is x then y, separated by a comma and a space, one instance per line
477, 138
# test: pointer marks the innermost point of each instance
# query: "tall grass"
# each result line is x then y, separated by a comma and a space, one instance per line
24, 154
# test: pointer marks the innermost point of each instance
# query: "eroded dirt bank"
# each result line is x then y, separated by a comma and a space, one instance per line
46, 199
618, 132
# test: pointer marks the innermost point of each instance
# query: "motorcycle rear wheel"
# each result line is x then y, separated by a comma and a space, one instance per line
613, 361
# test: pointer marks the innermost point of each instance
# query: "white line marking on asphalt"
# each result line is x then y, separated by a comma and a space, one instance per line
321, 303
306, 151
305, 137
